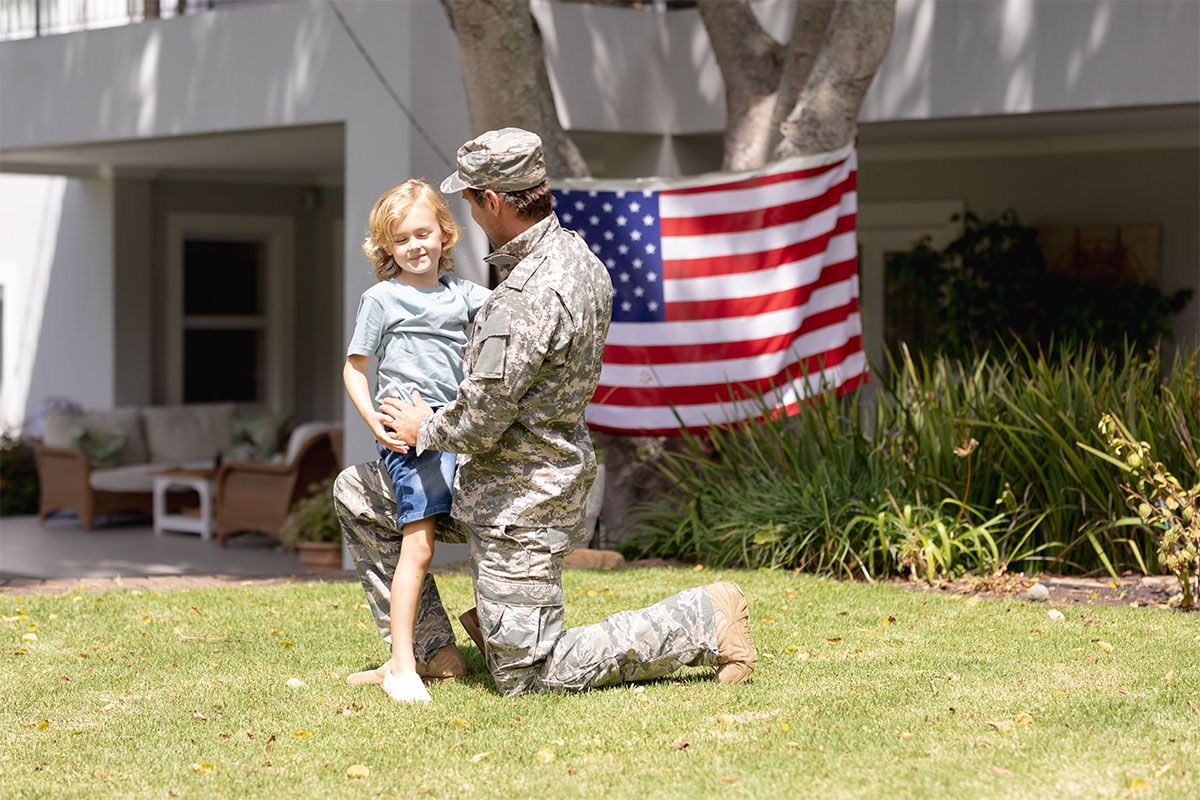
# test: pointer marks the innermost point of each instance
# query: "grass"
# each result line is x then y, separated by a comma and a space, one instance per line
123, 692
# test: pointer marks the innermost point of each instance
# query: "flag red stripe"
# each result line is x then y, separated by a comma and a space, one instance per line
759, 218
761, 180
685, 311
722, 351
674, 269
725, 391
847, 386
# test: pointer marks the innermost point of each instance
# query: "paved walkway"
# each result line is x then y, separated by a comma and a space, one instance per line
63, 549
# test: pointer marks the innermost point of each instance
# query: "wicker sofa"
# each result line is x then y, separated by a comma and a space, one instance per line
156, 438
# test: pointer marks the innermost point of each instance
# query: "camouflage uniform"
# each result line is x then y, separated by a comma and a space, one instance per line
526, 464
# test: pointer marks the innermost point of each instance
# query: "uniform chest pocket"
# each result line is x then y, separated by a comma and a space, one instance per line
493, 347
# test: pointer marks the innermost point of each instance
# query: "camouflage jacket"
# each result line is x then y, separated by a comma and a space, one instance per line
532, 365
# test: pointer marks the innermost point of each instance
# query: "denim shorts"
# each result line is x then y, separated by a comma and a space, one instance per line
421, 483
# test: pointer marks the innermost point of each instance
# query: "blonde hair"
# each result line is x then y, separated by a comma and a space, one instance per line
392, 207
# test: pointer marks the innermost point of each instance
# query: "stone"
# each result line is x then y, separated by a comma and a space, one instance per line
1055, 615
585, 558
1038, 593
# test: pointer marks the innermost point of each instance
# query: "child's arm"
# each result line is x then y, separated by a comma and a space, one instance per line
354, 375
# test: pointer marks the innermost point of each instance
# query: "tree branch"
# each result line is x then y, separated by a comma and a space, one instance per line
504, 70
751, 63
825, 114
808, 37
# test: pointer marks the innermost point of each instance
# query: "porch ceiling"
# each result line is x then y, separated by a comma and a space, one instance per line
311, 153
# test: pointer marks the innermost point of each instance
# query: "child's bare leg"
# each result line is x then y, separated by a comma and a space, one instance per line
416, 551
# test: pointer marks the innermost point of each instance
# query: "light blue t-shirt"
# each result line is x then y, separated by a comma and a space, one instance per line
417, 336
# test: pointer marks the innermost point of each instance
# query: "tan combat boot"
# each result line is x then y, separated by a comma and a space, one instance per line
445, 664
470, 622
736, 655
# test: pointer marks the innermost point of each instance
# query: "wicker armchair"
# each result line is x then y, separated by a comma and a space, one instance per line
258, 497
65, 478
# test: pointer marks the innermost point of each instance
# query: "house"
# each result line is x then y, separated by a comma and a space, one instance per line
182, 199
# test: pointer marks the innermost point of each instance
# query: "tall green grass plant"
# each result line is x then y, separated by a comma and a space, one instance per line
984, 453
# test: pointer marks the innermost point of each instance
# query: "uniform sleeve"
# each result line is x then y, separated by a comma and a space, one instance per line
368, 328
514, 340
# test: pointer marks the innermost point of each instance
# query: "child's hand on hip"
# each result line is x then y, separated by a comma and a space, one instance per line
384, 435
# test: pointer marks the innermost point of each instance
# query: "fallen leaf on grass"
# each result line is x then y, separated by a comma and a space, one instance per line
350, 710
545, 755
1103, 645
833, 639
475, 759
64, 680
680, 745
698, 568
41, 726
1170, 676
295, 683
29, 637
1024, 719
1000, 771
745, 716
729, 780
462, 723
199, 716
1138, 785
792, 745
201, 766
302, 734
1055, 615
358, 771
906, 734
287, 643
1001, 726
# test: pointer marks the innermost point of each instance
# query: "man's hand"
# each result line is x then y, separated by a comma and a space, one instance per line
379, 426
406, 417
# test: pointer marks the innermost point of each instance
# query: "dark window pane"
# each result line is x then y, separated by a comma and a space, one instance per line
221, 366
222, 277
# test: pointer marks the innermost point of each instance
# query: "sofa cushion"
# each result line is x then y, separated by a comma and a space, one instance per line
137, 477
60, 430
188, 433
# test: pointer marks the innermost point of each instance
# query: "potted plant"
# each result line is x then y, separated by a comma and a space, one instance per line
312, 530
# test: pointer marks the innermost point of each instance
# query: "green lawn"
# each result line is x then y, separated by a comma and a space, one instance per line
861, 691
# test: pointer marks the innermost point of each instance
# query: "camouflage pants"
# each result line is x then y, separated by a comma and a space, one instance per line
518, 590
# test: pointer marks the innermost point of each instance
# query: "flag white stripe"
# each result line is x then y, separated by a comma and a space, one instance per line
732, 370
733, 329
752, 198
663, 417
715, 245
842, 247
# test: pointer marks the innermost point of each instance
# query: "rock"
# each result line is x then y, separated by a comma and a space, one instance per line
1055, 615
585, 558
1038, 593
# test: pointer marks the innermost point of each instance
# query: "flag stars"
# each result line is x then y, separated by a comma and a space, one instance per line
622, 249
650, 248
638, 291
593, 219
635, 206
610, 263
592, 193
626, 306
652, 305
637, 263
621, 195
647, 220
579, 206
621, 221
607, 208
608, 235
566, 218
624, 276
635, 234
651, 276
596, 247
647, 193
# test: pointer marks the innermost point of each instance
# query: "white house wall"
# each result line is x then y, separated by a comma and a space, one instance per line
56, 270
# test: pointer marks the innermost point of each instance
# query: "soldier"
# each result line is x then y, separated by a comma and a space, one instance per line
526, 464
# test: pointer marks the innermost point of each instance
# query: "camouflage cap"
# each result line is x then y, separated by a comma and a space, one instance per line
506, 160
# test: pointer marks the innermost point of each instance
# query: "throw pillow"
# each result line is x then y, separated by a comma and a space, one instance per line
262, 435
102, 446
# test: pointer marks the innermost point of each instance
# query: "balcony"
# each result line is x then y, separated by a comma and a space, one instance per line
28, 19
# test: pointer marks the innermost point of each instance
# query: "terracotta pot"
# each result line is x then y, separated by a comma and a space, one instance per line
320, 556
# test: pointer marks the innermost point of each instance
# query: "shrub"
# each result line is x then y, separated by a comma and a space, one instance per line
982, 452
313, 519
19, 490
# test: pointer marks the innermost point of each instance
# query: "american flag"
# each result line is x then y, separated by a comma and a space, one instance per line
729, 291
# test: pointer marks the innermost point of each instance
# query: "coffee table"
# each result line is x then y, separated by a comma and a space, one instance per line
199, 481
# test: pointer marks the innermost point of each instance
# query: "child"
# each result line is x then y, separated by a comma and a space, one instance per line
414, 321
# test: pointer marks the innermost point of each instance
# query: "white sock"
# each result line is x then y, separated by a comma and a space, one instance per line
405, 687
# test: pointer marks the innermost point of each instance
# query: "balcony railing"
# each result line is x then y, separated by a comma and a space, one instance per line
26, 19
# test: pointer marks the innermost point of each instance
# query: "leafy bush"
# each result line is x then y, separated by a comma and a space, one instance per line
973, 464
991, 285
313, 518
1161, 502
19, 491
